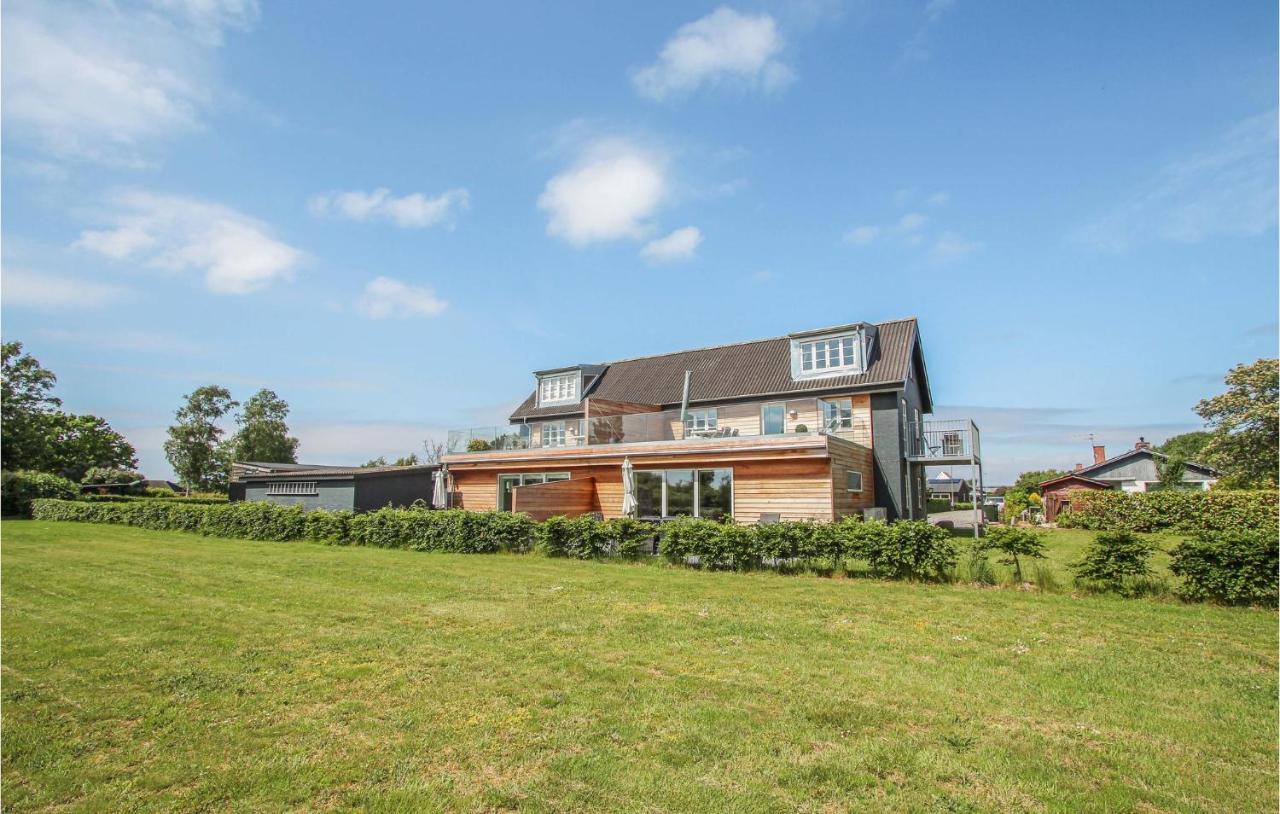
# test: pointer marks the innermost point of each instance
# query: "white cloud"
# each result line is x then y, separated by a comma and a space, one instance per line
763, 277
607, 195
1227, 188
385, 298
236, 253
722, 48
679, 245
912, 222
920, 46
951, 246
862, 235
939, 198
21, 287
103, 82
415, 211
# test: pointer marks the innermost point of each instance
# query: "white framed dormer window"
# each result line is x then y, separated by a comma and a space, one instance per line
560, 388
837, 354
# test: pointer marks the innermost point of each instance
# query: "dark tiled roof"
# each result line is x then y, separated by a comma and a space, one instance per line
1207, 470
947, 484
746, 369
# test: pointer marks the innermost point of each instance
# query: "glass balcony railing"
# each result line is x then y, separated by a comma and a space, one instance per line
954, 440
797, 416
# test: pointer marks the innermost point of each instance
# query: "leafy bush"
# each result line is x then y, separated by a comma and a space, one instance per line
1115, 561
629, 537
332, 527
18, 489
912, 549
686, 537
172, 498
580, 538
1231, 567
1014, 543
1215, 510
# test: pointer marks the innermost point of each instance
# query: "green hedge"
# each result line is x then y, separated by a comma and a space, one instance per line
19, 488
202, 501
1215, 510
1231, 567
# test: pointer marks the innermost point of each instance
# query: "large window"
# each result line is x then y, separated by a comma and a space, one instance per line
835, 353
837, 414
293, 487
700, 422
556, 389
685, 493
506, 483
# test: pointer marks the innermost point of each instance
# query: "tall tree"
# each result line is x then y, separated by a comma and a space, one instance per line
1246, 432
26, 405
195, 449
1188, 446
264, 432
434, 451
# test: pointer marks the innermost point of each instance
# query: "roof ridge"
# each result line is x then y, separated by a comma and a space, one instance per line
743, 342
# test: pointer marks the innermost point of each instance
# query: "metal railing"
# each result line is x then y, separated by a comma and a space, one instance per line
944, 440
799, 416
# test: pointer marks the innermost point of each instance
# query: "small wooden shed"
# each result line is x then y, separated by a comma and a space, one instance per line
1057, 492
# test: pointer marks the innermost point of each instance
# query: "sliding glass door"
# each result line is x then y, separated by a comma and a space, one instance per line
684, 493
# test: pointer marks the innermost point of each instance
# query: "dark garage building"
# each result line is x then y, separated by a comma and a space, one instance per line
360, 489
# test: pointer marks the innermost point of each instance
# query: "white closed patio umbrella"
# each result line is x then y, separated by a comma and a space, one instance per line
628, 488
440, 497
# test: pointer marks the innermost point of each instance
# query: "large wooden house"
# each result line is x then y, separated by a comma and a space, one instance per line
815, 425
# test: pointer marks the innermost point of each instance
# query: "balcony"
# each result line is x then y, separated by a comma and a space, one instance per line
808, 416
944, 442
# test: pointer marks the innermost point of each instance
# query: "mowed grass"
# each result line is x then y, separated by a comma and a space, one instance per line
149, 671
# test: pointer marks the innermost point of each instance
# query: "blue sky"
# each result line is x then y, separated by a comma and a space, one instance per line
392, 214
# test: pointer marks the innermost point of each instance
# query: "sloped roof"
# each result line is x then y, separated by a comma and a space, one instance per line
1138, 451
947, 484
302, 471
1077, 476
743, 370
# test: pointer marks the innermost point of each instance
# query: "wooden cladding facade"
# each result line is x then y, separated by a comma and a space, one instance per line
795, 477
567, 497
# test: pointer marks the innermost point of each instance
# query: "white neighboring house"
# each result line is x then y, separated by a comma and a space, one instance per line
1135, 470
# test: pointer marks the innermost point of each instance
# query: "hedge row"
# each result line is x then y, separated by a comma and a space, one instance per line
20, 487
1231, 567
174, 498
1215, 510
907, 550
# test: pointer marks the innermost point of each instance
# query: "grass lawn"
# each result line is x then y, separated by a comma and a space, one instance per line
160, 671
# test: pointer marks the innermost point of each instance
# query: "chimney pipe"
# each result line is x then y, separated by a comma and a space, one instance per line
1079, 467
1142, 443
1099, 453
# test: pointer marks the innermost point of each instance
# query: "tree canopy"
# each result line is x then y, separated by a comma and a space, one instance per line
263, 433
1030, 481
36, 434
1188, 446
1245, 443
194, 447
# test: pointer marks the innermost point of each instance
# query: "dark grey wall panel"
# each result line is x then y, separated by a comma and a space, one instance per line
886, 446
399, 489
332, 494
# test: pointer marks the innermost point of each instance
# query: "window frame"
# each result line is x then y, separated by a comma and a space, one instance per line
849, 473
559, 388
782, 405
697, 488
839, 406
560, 432
710, 420
547, 477
812, 356
292, 488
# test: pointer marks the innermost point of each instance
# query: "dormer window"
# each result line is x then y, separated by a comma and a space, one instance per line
561, 388
830, 355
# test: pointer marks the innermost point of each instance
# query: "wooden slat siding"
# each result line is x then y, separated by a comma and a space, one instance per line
767, 444
797, 490
846, 457
542, 500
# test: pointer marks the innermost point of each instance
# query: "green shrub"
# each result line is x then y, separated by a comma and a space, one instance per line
104, 474
1014, 543
19, 488
629, 537
1230, 567
912, 549
686, 537
325, 526
172, 498
1116, 561
1215, 510
579, 538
